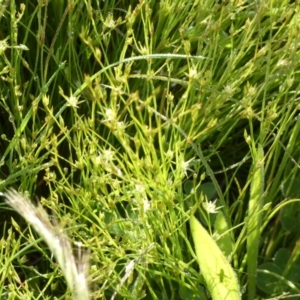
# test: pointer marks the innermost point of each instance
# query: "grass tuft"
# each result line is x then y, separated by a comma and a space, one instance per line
126, 118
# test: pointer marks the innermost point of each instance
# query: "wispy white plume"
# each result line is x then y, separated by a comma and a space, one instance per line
74, 269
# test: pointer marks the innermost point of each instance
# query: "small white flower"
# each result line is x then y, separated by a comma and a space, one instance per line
140, 188
229, 89
169, 182
110, 114
170, 154
146, 205
210, 207
281, 62
108, 155
193, 73
119, 172
97, 160
72, 101
185, 165
109, 22
121, 125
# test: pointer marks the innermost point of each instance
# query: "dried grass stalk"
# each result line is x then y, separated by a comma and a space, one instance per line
74, 269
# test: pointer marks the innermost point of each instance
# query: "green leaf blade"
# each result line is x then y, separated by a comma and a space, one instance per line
220, 278
254, 222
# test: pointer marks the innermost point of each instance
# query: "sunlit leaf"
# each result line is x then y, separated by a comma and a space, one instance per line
220, 278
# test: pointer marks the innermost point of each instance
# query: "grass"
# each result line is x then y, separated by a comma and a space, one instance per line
124, 120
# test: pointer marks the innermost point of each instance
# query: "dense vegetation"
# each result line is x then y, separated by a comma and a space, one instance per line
123, 119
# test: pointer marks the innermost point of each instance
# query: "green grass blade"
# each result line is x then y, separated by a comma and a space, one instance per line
222, 229
220, 278
135, 58
254, 220
29, 114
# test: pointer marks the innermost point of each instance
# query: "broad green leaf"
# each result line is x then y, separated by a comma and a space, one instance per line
281, 275
289, 263
290, 216
219, 276
267, 281
208, 190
